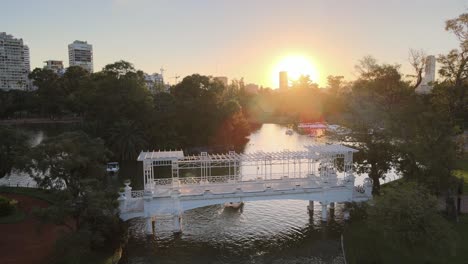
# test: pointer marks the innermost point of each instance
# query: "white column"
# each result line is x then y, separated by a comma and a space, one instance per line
311, 207
177, 219
149, 225
324, 211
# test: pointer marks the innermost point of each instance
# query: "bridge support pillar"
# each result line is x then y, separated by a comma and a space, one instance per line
324, 211
177, 219
149, 226
310, 207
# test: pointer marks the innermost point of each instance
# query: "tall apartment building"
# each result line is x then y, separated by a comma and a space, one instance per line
80, 53
14, 63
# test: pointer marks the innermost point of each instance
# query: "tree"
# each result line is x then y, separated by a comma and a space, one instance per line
454, 65
368, 114
303, 82
13, 145
417, 59
50, 92
450, 95
72, 166
126, 140
118, 93
67, 162
335, 83
119, 68
402, 226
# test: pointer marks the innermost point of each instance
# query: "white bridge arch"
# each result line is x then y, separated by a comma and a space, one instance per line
320, 173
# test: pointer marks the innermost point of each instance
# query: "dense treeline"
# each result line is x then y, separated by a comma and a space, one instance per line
115, 105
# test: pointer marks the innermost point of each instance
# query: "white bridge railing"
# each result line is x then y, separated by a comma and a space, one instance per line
228, 184
138, 194
197, 180
232, 179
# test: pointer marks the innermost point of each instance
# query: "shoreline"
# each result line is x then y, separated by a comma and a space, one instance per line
40, 121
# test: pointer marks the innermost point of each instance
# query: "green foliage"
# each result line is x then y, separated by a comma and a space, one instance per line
461, 255
116, 105
66, 160
72, 164
461, 171
13, 144
208, 114
6, 206
42, 194
127, 140
367, 115
401, 226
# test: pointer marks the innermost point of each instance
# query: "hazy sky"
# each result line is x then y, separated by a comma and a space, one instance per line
238, 38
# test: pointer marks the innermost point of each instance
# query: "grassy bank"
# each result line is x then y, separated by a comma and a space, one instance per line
41, 194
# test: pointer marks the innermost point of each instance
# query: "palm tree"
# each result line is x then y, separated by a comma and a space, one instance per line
126, 140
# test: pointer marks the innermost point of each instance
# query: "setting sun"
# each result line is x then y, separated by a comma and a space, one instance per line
296, 66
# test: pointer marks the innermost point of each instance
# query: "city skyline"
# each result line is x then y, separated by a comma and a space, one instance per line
207, 33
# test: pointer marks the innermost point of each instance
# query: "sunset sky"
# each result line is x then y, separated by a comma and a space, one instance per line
233, 38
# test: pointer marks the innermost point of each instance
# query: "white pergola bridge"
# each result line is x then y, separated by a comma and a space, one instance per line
320, 173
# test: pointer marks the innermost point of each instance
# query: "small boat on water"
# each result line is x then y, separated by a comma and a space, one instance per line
112, 167
233, 205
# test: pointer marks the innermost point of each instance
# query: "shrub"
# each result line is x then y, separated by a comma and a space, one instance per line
6, 206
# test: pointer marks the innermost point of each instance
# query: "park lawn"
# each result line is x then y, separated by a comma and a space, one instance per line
45, 195
461, 171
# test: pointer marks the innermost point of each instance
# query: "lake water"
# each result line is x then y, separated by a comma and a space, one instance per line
264, 232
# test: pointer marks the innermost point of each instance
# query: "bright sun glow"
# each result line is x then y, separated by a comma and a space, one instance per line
295, 66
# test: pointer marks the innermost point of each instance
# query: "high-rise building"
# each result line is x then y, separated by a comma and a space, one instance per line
80, 53
429, 76
283, 80
14, 63
55, 66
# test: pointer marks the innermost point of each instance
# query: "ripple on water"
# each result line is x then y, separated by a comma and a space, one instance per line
262, 233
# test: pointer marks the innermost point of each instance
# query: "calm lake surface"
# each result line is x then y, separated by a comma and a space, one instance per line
280, 231
264, 232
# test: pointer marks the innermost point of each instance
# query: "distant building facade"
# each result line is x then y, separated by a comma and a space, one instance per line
429, 76
14, 63
283, 80
55, 66
80, 53
155, 83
